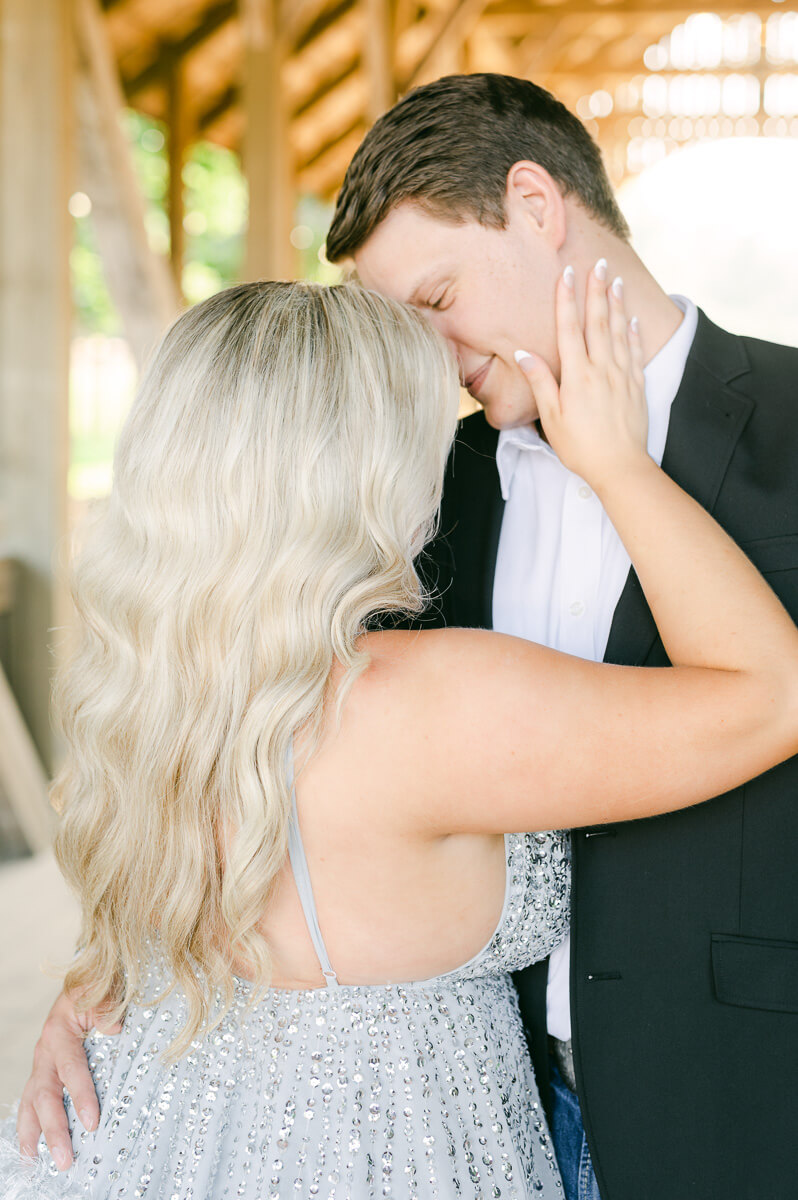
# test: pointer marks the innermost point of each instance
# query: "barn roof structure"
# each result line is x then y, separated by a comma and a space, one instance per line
342, 62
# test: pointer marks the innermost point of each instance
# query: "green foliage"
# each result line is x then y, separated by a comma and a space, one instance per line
215, 220
94, 311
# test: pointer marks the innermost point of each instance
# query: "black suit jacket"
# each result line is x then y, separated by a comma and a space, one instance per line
684, 969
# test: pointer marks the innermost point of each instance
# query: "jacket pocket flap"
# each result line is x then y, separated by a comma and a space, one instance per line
755, 972
773, 554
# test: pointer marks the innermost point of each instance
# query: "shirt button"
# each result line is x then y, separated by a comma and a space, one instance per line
584, 492
577, 608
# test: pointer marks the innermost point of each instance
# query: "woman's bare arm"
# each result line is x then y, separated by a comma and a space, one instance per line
526, 738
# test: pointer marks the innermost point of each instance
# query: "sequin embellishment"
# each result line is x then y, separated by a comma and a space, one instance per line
417, 1091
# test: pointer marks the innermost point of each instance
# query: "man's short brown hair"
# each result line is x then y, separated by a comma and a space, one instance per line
449, 145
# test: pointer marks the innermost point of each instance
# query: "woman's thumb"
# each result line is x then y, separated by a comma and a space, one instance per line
543, 384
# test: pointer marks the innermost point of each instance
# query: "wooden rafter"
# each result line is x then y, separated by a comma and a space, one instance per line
325, 16
445, 29
670, 11
170, 51
331, 83
22, 775
378, 56
138, 279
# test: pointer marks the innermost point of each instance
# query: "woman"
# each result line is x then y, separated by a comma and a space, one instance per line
279, 473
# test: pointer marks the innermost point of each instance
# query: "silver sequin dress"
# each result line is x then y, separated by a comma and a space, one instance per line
415, 1090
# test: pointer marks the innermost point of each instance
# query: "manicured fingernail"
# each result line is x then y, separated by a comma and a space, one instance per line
62, 1158
600, 269
634, 325
524, 359
617, 286
86, 1118
568, 276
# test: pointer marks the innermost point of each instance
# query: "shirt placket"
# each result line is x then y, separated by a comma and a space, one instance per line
580, 565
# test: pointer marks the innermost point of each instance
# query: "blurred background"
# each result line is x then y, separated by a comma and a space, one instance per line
154, 151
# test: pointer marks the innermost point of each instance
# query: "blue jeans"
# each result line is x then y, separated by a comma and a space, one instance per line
570, 1143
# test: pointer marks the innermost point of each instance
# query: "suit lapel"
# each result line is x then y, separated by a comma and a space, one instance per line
491, 551
707, 419
473, 534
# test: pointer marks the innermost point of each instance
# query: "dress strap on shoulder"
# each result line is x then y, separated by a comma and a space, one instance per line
299, 865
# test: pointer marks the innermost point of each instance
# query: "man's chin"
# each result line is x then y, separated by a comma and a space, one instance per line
507, 416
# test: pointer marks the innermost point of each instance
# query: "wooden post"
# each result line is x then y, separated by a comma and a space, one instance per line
267, 153
140, 282
443, 53
23, 782
177, 139
21, 774
35, 183
378, 55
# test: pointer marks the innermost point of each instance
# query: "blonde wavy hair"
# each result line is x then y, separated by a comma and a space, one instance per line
278, 474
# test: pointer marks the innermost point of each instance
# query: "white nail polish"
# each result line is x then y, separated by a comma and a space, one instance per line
617, 286
600, 269
569, 275
634, 325
520, 355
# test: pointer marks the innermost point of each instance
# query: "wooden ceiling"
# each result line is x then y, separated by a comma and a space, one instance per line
328, 80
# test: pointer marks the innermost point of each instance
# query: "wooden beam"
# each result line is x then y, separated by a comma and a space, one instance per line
327, 63
166, 53
139, 280
669, 9
326, 88
323, 176
267, 154
6, 585
219, 108
22, 776
323, 124
177, 140
36, 179
340, 48
232, 97
299, 32
447, 32
378, 57
299, 18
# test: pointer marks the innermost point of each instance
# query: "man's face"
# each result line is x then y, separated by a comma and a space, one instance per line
488, 291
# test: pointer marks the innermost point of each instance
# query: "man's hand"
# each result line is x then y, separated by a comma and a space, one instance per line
59, 1061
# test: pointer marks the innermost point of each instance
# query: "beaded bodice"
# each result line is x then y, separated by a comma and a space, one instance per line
535, 915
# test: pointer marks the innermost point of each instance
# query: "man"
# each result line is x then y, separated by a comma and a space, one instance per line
665, 1036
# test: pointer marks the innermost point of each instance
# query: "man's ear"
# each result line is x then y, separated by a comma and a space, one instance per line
533, 195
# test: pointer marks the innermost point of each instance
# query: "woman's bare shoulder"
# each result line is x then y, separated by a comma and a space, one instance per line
425, 646
401, 658
416, 673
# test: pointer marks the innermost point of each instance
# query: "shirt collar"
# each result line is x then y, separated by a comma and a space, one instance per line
663, 374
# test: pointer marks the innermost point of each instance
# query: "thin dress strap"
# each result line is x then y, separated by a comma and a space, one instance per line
299, 865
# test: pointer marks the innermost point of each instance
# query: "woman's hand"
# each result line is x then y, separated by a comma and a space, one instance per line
59, 1061
596, 420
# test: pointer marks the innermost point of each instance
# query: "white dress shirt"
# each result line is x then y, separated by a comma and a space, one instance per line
561, 567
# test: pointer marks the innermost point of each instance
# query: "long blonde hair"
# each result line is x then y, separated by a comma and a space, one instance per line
280, 470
